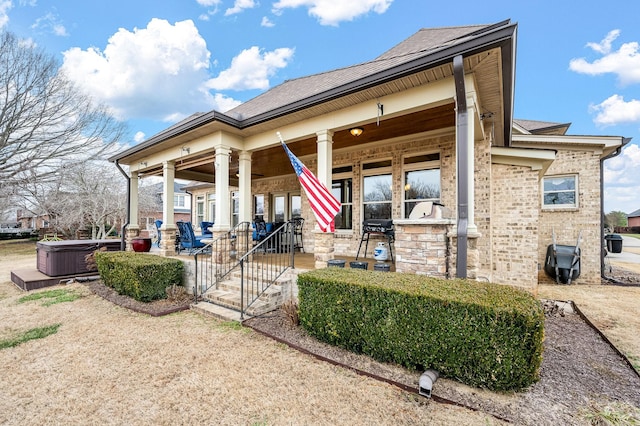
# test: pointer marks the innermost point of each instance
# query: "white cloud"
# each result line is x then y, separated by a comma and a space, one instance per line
332, 12
625, 62
5, 5
622, 179
51, 23
139, 137
209, 3
251, 69
240, 6
615, 110
266, 22
156, 72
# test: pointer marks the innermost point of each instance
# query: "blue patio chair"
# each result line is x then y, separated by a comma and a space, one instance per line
188, 239
158, 224
204, 227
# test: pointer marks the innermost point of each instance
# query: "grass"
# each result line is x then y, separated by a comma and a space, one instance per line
17, 247
614, 414
32, 334
52, 296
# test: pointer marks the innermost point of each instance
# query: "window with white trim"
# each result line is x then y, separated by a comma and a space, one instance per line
560, 192
199, 209
377, 190
421, 180
342, 189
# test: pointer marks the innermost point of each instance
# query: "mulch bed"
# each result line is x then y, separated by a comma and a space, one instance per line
579, 370
156, 308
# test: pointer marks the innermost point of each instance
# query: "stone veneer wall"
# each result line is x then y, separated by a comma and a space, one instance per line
567, 223
514, 226
422, 246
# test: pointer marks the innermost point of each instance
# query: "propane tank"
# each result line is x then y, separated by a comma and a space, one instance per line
380, 252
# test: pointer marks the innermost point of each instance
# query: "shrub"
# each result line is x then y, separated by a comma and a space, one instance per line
482, 334
141, 276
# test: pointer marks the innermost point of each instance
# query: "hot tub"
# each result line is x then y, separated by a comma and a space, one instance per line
57, 258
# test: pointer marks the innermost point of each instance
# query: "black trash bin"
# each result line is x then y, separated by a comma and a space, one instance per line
336, 263
359, 265
614, 243
382, 267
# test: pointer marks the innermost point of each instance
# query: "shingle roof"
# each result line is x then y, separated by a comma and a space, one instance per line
634, 214
542, 127
418, 45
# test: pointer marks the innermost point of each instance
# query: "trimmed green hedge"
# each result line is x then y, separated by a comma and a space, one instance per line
485, 335
144, 277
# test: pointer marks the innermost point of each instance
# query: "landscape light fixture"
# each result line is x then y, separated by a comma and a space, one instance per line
356, 131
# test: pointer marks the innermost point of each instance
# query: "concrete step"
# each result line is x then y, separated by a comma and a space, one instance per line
217, 311
228, 295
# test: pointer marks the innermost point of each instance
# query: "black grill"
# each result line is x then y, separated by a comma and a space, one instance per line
380, 227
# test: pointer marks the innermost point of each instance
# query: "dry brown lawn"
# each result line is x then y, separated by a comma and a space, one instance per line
109, 365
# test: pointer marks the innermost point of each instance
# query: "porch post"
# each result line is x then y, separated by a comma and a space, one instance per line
323, 241
471, 156
244, 184
133, 229
168, 228
223, 213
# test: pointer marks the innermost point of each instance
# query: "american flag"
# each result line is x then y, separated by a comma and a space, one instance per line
324, 205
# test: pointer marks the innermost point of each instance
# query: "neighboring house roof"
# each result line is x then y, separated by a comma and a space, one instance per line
540, 127
427, 49
634, 214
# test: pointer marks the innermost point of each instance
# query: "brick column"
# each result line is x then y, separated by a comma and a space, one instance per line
168, 242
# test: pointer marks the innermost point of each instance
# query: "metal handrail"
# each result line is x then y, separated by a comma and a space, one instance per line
259, 267
265, 263
226, 249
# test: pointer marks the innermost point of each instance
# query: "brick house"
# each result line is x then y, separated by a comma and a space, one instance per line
429, 121
633, 218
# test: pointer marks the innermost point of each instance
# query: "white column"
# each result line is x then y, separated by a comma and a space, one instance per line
223, 208
471, 116
244, 184
133, 201
168, 176
325, 157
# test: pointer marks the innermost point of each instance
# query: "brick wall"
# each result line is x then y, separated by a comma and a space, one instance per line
567, 223
514, 226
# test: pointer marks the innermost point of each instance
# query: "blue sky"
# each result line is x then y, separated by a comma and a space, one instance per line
155, 62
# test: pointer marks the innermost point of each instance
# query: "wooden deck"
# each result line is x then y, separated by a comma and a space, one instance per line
306, 261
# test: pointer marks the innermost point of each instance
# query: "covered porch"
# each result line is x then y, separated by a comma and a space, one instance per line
413, 126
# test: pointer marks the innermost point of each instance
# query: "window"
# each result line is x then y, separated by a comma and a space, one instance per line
178, 200
421, 180
212, 207
296, 206
279, 202
560, 192
286, 207
235, 208
258, 206
342, 189
377, 190
199, 209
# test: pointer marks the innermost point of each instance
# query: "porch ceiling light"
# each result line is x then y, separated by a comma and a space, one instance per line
356, 131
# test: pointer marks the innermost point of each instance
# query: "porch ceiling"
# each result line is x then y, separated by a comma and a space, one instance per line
273, 161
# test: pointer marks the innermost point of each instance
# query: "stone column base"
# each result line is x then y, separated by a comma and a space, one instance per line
168, 242
323, 248
473, 255
132, 232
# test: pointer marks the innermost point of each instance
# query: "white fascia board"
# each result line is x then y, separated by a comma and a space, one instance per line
536, 159
602, 145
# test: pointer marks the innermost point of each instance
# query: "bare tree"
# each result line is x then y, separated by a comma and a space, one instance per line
46, 122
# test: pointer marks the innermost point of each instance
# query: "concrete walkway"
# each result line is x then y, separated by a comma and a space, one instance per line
627, 256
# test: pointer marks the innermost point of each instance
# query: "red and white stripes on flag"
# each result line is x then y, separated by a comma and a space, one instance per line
324, 205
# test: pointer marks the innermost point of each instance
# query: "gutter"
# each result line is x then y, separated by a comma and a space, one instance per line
123, 242
615, 153
462, 152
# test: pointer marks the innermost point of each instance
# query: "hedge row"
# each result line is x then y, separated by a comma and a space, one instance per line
482, 334
144, 277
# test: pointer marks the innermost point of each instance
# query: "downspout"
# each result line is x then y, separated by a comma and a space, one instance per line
462, 147
615, 153
123, 242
